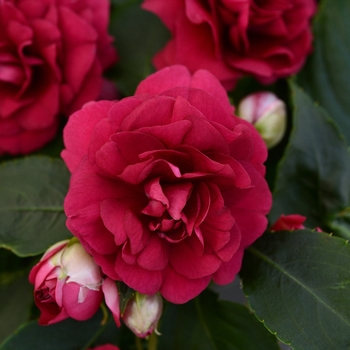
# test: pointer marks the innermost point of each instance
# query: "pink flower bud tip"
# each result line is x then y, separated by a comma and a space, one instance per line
68, 283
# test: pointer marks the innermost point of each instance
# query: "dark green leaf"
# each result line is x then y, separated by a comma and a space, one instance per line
208, 324
326, 76
16, 295
12, 263
340, 224
138, 36
66, 335
32, 191
298, 283
313, 178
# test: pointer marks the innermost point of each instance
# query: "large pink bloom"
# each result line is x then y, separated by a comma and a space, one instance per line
167, 186
268, 39
52, 55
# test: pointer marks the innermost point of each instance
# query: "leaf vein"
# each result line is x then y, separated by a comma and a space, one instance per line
293, 278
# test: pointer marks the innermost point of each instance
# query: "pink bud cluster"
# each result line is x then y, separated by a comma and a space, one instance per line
68, 283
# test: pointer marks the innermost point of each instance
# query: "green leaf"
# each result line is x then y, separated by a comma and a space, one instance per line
298, 283
138, 36
313, 178
326, 76
16, 293
16, 300
340, 223
12, 263
66, 335
206, 323
32, 191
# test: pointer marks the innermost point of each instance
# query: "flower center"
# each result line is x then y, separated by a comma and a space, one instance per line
44, 295
168, 228
165, 209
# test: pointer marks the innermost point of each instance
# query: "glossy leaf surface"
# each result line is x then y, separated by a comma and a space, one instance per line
298, 284
313, 177
326, 75
206, 323
32, 192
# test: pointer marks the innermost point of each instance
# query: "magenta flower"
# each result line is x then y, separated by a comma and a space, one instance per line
167, 186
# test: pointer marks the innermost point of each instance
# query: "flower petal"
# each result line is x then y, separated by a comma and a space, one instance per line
80, 311
184, 261
179, 289
164, 80
77, 143
144, 281
111, 294
155, 255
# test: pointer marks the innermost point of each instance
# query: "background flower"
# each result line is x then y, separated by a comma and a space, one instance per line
52, 55
106, 347
266, 39
167, 186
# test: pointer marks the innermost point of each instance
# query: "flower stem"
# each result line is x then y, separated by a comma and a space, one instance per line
105, 314
105, 321
153, 341
138, 343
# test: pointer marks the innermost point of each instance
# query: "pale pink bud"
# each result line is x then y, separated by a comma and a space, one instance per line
68, 283
267, 113
142, 313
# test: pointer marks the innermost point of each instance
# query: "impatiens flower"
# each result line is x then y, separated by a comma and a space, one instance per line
289, 222
52, 55
167, 186
267, 113
142, 313
266, 39
68, 283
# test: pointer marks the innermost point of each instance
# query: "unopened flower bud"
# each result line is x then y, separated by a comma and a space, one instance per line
68, 283
267, 113
142, 313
